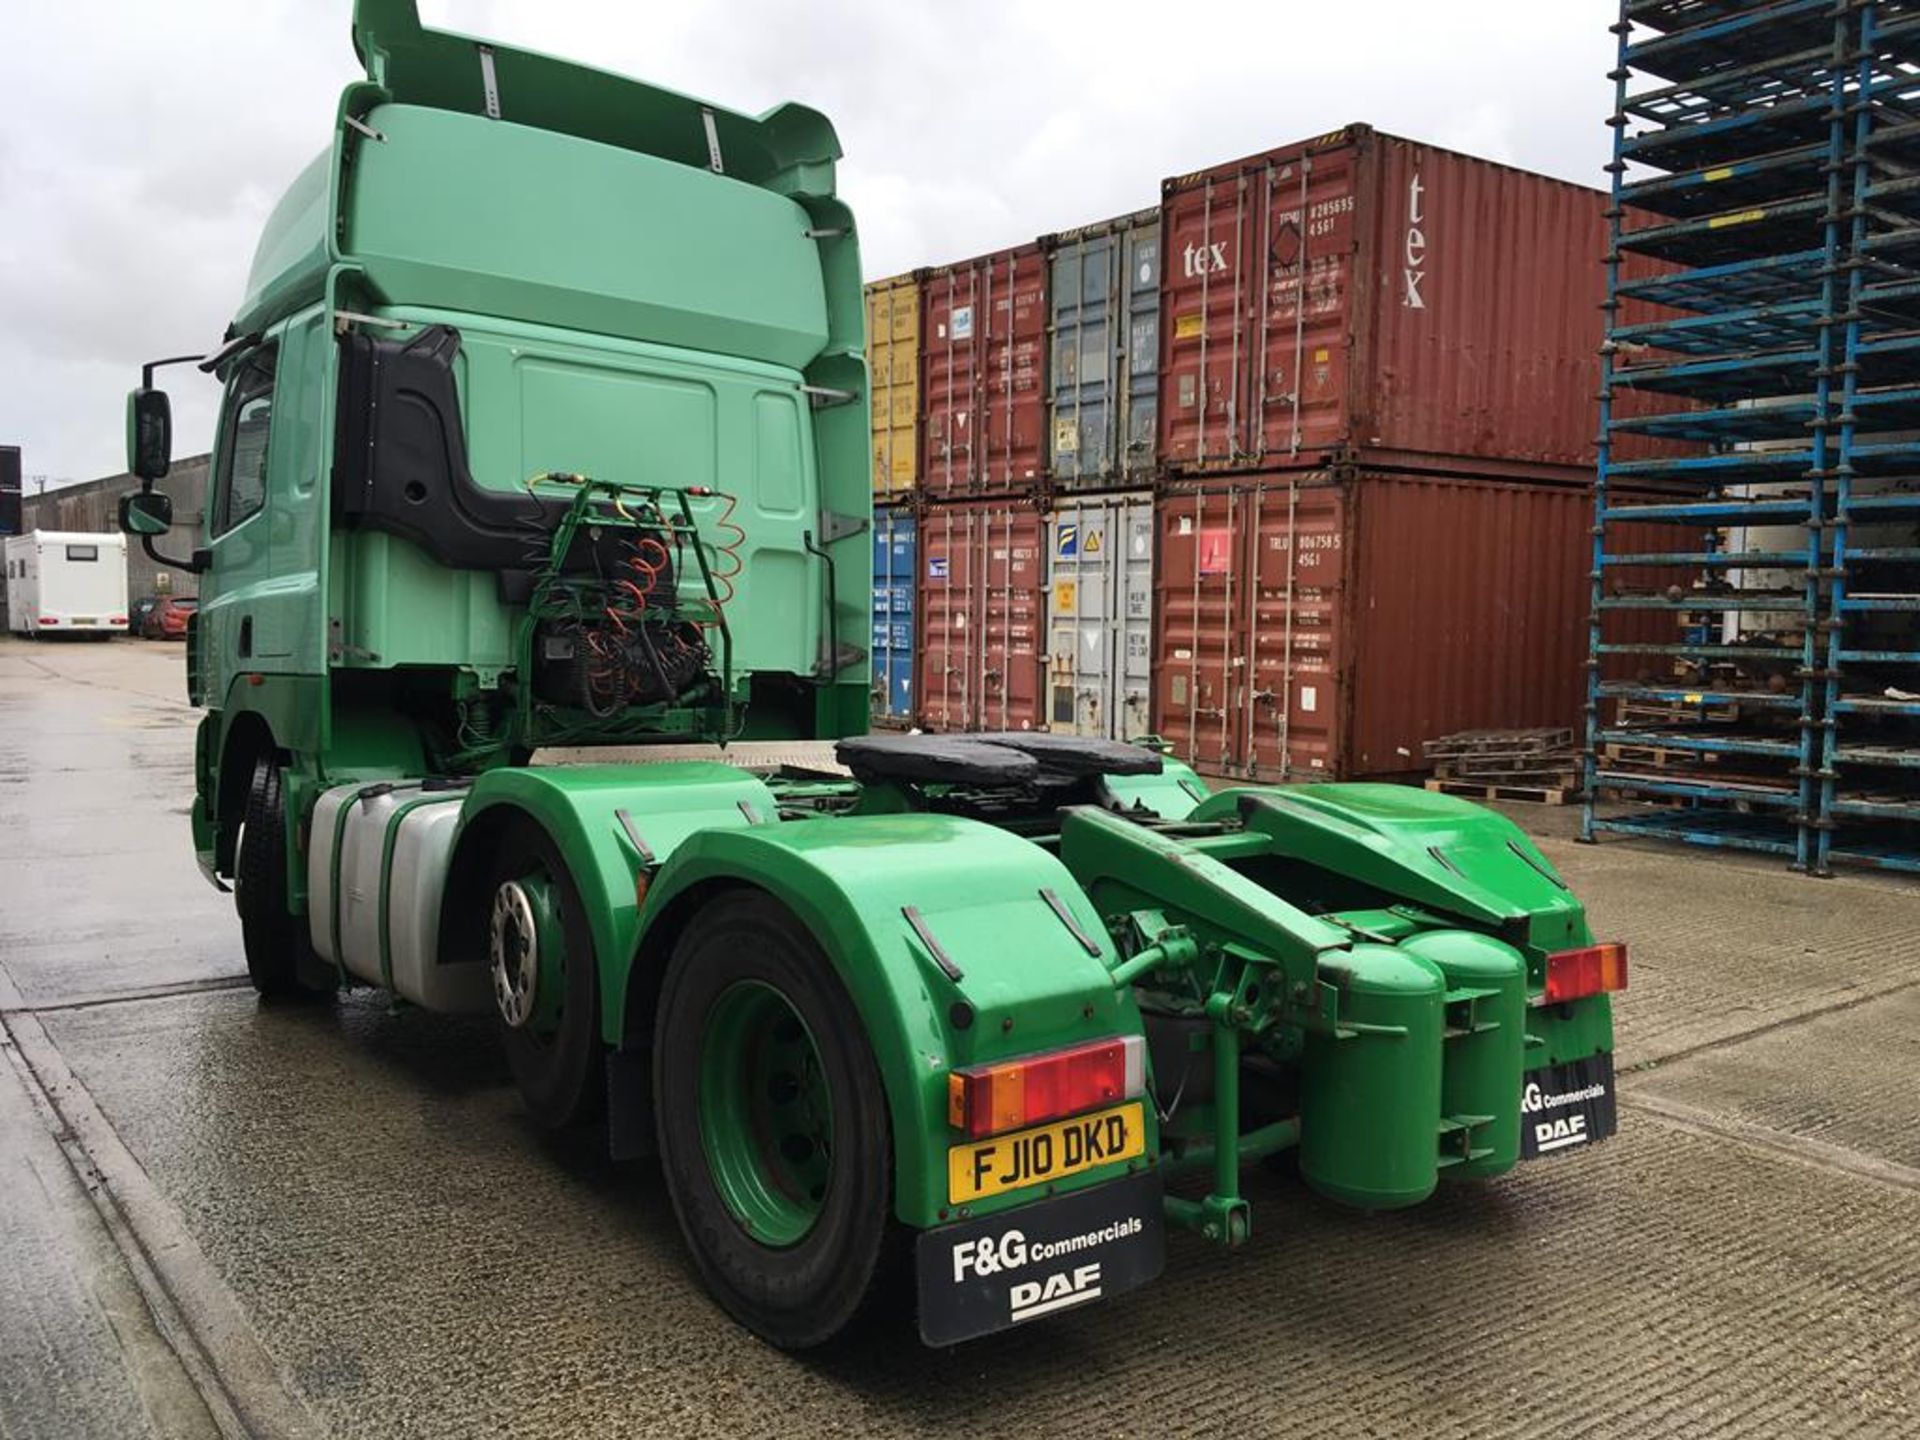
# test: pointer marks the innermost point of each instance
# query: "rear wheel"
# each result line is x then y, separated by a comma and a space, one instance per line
275, 939
545, 991
773, 1130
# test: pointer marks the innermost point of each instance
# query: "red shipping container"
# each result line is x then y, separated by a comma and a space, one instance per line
980, 616
983, 375
1369, 295
1322, 624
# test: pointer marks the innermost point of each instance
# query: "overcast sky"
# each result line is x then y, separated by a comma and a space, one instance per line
142, 144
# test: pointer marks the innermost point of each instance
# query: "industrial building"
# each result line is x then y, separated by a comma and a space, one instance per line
93, 505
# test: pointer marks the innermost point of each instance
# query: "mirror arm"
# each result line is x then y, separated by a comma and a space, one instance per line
238, 345
146, 370
194, 565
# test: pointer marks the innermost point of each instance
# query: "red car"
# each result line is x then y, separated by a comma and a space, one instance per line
167, 620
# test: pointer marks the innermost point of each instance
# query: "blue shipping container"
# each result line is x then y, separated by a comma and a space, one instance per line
895, 552
1104, 399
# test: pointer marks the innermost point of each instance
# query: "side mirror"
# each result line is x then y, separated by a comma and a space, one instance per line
146, 512
149, 434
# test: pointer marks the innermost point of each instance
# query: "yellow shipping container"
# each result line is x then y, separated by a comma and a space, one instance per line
893, 365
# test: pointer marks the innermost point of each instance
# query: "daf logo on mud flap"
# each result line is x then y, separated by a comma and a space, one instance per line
1550, 1133
1558, 1134
1203, 259
1034, 1298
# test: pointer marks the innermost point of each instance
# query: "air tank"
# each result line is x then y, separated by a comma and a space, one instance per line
1370, 1095
1484, 1039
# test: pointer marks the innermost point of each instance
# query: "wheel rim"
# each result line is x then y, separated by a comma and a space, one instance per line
766, 1114
513, 947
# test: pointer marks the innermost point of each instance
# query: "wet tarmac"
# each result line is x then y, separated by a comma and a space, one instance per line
333, 1220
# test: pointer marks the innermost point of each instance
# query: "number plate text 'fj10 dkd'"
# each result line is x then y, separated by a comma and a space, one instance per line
1046, 1152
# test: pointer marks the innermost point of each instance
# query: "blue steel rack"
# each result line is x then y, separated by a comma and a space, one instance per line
1870, 763
1728, 227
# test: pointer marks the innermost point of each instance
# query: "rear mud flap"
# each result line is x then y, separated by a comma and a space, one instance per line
1042, 1259
1567, 1107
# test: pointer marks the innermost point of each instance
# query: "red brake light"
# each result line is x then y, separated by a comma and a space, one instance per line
989, 1099
1590, 970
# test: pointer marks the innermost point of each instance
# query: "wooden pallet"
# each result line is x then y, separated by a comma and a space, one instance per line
1489, 744
1485, 790
1538, 770
1657, 757
1674, 712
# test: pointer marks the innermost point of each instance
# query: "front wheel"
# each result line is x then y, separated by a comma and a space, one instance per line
773, 1129
275, 939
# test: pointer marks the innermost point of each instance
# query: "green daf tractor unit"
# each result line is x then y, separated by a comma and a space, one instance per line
545, 425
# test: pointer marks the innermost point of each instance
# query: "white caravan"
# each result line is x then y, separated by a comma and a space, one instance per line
62, 582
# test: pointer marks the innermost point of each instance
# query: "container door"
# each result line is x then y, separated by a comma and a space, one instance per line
879, 378
1013, 372
893, 638
1079, 646
1012, 604
900, 647
1138, 429
1293, 641
1205, 350
1202, 588
1134, 641
1100, 617
945, 665
949, 382
903, 391
1085, 274
893, 370
1303, 305
882, 610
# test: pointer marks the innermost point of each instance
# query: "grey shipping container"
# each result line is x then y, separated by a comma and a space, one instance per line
1103, 399
1100, 615
894, 570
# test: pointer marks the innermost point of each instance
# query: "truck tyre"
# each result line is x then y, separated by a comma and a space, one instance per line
272, 936
546, 991
773, 1128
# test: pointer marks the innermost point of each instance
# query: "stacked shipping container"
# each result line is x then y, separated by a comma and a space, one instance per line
1292, 470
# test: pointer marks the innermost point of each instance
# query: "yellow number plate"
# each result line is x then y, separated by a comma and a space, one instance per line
1046, 1152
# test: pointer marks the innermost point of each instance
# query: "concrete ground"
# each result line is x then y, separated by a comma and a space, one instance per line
218, 1219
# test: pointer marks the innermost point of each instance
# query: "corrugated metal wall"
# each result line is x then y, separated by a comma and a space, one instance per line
1313, 624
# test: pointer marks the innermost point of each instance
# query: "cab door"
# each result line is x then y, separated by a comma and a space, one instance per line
229, 635
260, 604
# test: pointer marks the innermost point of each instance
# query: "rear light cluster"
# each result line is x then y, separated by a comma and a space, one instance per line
989, 1099
1590, 970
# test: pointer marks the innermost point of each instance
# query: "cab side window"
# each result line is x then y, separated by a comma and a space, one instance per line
242, 481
